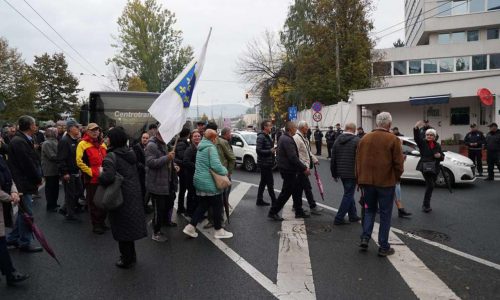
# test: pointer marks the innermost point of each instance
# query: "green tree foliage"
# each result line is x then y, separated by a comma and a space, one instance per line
57, 87
137, 84
399, 43
17, 87
149, 45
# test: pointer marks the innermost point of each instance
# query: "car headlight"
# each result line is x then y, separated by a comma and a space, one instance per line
460, 163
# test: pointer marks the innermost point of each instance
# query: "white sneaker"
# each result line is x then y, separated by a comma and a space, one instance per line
159, 237
316, 210
222, 234
190, 230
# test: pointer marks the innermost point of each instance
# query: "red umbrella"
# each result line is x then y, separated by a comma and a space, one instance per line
320, 184
37, 232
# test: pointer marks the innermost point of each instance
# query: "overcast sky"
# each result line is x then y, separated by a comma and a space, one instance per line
88, 25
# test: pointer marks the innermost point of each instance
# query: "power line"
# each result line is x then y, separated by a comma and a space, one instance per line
46, 36
407, 26
79, 54
392, 26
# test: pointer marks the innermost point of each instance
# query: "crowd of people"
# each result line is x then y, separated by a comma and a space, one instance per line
189, 167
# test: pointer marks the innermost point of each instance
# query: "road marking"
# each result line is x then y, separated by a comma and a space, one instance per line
421, 280
426, 241
294, 264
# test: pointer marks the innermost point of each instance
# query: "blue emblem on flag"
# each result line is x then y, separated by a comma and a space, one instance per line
186, 86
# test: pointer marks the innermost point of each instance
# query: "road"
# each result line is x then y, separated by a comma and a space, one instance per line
450, 253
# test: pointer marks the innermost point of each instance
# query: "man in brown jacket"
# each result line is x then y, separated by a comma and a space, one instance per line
379, 165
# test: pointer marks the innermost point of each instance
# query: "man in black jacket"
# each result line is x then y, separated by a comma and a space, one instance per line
343, 166
493, 149
318, 137
290, 166
475, 141
69, 171
26, 171
265, 161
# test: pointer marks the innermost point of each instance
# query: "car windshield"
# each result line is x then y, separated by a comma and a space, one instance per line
250, 138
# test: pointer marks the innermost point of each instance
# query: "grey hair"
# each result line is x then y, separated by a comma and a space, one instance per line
431, 131
302, 124
350, 126
383, 119
51, 132
289, 126
225, 130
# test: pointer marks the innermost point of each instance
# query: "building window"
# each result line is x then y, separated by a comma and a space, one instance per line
446, 65
400, 67
460, 115
458, 37
433, 112
462, 64
476, 6
444, 38
444, 8
479, 62
492, 33
473, 36
493, 4
382, 68
415, 66
430, 66
494, 61
459, 7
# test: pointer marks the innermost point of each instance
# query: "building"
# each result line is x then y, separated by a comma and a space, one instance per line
452, 50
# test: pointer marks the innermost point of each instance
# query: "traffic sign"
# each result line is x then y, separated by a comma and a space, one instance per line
317, 106
292, 113
317, 117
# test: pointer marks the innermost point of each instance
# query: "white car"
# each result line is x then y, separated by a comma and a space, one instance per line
457, 168
244, 145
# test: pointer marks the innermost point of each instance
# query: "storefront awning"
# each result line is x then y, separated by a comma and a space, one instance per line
429, 100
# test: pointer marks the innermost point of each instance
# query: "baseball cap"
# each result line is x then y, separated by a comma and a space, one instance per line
92, 126
71, 123
493, 125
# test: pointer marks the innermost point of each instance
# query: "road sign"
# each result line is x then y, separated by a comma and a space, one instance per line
317, 117
317, 106
292, 113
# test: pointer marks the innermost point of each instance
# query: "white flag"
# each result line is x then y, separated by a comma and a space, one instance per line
171, 107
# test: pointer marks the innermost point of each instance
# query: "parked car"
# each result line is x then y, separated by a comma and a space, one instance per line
457, 168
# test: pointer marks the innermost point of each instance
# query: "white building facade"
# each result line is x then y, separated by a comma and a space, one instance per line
452, 50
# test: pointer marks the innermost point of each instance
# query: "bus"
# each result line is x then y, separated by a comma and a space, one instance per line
126, 109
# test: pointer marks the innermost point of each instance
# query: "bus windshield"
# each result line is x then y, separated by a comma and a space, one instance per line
126, 109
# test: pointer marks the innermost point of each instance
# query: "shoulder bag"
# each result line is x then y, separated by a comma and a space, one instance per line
429, 167
222, 182
110, 197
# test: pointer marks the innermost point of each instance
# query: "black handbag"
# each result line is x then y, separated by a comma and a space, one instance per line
429, 167
110, 197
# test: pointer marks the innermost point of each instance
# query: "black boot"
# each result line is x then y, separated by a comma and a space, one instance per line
402, 213
16, 277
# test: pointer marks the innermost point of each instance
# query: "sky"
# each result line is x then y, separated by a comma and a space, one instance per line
89, 27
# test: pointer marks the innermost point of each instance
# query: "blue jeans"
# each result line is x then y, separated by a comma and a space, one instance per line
347, 206
22, 233
383, 198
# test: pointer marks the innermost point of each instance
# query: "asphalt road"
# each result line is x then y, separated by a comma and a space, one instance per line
465, 222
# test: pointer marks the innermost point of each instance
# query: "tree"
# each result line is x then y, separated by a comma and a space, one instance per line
119, 78
17, 87
57, 87
399, 43
137, 84
149, 45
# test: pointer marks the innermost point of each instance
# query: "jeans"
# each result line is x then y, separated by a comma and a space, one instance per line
329, 146
181, 208
22, 233
289, 187
304, 185
430, 181
215, 202
72, 191
266, 179
5, 262
347, 206
162, 205
51, 191
381, 197
492, 159
477, 158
